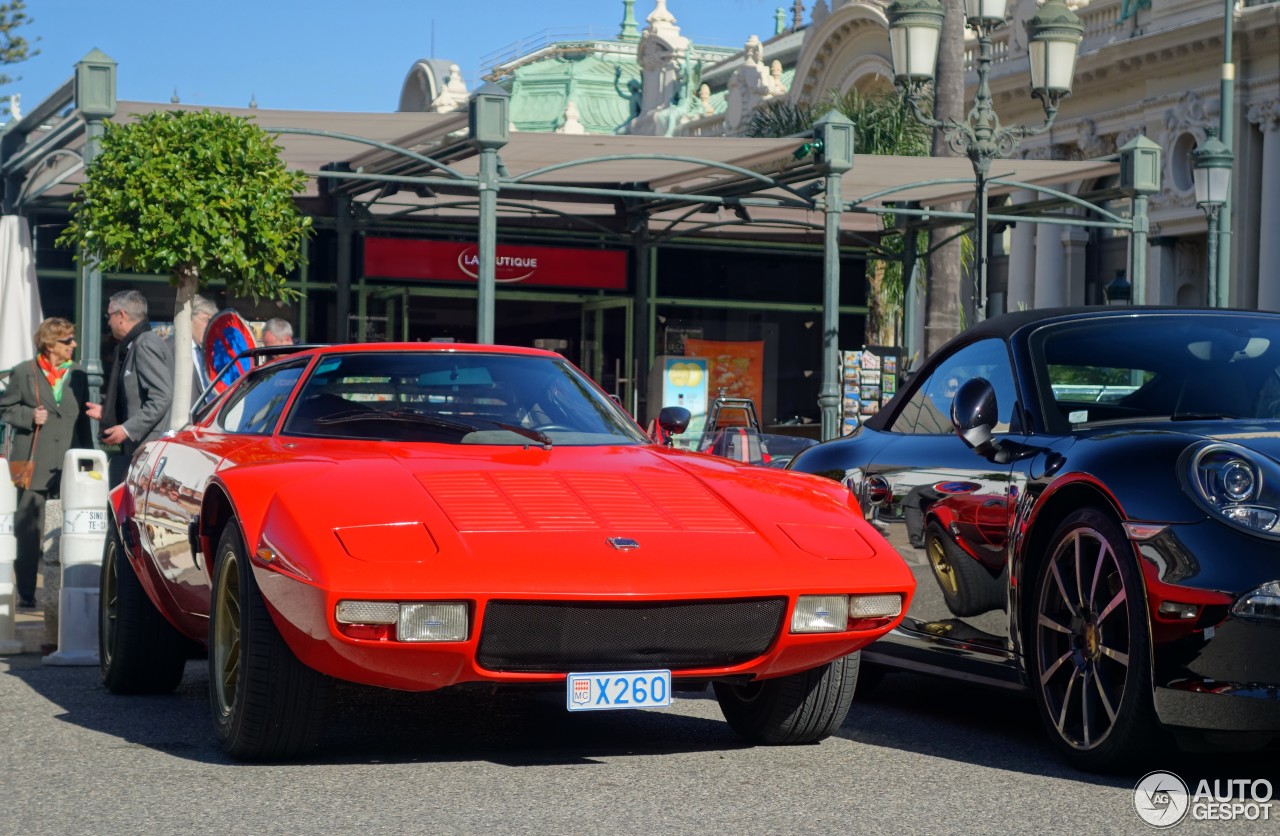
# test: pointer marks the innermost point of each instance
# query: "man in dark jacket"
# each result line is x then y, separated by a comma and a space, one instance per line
139, 393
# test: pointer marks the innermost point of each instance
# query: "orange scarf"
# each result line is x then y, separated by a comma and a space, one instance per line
56, 375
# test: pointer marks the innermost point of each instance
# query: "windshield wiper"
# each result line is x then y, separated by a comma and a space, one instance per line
470, 425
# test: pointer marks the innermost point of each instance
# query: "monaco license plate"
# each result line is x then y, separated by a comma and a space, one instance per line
618, 690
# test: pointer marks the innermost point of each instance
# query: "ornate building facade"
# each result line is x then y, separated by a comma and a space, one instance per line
1145, 67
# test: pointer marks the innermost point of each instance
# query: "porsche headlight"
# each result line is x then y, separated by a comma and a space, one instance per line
1236, 485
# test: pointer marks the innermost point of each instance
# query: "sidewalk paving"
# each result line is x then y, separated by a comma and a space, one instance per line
28, 627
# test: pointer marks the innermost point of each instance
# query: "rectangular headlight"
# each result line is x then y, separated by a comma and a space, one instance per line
875, 606
432, 623
821, 614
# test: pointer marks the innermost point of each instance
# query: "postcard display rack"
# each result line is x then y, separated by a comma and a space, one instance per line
869, 378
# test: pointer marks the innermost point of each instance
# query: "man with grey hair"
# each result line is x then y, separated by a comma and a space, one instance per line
202, 310
277, 331
139, 391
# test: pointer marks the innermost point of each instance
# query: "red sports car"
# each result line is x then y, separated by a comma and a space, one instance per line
422, 516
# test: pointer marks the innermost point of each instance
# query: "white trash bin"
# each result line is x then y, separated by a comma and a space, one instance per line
84, 532
8, 554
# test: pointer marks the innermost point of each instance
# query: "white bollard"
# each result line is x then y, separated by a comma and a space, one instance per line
8, 554
84, 531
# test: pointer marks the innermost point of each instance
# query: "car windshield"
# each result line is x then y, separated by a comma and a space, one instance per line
1163, 366
456, 398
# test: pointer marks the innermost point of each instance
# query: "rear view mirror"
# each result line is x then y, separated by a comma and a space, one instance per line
974, 414
674, 419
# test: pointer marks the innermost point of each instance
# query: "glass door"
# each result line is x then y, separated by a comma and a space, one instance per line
380, 316
606, 348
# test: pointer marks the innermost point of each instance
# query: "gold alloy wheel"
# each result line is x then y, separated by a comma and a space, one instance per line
226, 633
942, 567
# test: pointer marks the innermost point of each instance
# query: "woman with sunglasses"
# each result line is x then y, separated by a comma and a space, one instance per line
51, 394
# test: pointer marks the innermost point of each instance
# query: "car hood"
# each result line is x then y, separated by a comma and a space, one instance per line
1261, 436
567, 520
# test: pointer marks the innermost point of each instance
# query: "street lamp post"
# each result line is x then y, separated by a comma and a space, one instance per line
1118, 291
1054, 35
1212, 173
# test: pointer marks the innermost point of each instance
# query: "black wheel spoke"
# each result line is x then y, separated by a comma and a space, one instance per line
1049, 623
1066, 701
1062, 591
1053, 668
1114, 605
1086, 721
1115, 655
1104, 698
1097, 572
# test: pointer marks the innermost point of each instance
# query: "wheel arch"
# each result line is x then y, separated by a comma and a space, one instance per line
216, 511
1050, 511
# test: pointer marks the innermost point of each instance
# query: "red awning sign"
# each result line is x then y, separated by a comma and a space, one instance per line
451, 261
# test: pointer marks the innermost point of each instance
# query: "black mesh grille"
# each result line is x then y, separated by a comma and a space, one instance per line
563, 636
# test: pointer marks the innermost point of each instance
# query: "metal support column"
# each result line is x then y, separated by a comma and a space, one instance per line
1139, 178
488, 245
833, 138
95, 91
1226, 134
643, 341
488, 110
345, 229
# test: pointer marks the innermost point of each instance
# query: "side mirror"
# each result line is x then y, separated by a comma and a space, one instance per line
974, 414
674, 419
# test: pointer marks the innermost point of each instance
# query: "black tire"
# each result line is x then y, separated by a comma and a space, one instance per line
266, 704
801, 708
967, 586
139, 652
1090, 660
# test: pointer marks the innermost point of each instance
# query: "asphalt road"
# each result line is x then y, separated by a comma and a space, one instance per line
916, 755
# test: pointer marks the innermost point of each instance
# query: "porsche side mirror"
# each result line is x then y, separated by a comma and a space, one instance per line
974, 414
674, 419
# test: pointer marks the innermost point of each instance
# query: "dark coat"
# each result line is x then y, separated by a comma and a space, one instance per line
145, 379
66, 427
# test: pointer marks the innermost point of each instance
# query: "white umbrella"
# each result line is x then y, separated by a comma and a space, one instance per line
20, 311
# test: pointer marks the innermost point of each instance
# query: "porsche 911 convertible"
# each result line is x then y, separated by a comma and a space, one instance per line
424, 516
1091, 501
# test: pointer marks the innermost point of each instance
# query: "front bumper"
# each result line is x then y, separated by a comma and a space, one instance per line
304, 616
1219, 671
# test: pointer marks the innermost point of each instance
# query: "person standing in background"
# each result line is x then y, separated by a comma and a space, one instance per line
139, 392
50, 394
277, 331
202, 310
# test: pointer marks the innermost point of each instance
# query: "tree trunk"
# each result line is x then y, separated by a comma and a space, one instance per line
188, 279
942, 305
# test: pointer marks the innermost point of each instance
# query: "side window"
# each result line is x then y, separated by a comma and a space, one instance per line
928, 411
256, 406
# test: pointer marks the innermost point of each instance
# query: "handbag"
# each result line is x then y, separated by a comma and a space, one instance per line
21, 472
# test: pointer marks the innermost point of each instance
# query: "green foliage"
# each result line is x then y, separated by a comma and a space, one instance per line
779, 118
884, 124
14, 49
882, 121
192, 194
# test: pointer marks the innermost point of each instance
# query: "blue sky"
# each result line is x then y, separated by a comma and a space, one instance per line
323, 54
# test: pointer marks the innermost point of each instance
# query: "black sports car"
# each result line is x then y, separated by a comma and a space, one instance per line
1091, 500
